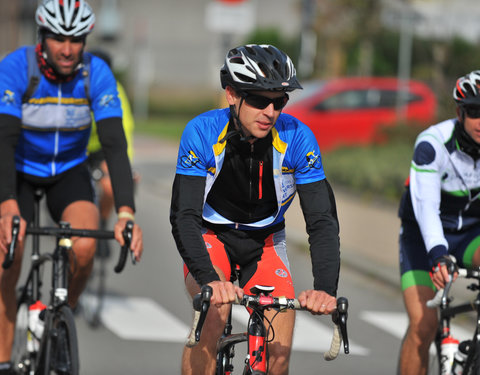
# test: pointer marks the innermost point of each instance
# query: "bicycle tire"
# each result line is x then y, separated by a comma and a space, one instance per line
472, 363
60, 355
21, 357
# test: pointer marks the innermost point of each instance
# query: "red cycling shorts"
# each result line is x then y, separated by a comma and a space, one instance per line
268, 267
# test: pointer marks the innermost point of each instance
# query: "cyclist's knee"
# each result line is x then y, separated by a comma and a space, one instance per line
84, 249
422, 331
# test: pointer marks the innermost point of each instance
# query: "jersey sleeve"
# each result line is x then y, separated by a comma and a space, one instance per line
306, 157
105, 101
13, 82
425, 192
193, 153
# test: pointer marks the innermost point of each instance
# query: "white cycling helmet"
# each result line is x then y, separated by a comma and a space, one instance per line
65, 17
467, 89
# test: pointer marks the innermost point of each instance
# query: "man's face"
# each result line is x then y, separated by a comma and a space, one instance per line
257, 122
64, 52
472, 122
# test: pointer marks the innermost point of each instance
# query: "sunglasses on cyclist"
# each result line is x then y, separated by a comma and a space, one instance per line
472, 111
262, 102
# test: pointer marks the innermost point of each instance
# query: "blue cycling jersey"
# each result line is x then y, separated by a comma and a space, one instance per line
56, 119
296, 160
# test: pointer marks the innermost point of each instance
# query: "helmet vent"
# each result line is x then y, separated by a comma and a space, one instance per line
245, 78
237, 60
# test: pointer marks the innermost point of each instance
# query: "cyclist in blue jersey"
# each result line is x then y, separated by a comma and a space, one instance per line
238, 170
44, 130
440, 215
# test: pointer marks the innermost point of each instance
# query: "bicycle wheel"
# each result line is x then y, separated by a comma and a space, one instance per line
21, 356
60, 355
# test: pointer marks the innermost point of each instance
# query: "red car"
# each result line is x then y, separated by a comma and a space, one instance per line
350, 111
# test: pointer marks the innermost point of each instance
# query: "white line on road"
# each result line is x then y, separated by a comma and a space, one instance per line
396, 325
137, 318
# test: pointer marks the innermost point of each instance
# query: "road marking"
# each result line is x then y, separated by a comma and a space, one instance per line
311, 335
143, 319
136, 318
396, 324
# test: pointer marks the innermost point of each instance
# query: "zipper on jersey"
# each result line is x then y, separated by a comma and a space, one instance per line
260, 179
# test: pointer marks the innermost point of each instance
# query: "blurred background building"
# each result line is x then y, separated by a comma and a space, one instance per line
178, 46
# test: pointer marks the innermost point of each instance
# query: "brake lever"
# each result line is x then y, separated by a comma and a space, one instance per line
339, 317
201, 303
127, 237
10, 256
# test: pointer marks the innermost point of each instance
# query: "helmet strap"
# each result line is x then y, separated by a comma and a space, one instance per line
465, 141
238, 124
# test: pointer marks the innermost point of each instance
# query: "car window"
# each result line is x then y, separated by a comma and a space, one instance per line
358, 99
389, 98
353, 99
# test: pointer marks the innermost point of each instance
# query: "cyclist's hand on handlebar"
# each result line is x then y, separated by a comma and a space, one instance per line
224, 292
443, 268
137, 237
317, 301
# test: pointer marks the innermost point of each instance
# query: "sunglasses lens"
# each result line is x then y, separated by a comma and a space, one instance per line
261, 102
472, 112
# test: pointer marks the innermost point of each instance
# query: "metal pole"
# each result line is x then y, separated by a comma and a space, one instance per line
404, 62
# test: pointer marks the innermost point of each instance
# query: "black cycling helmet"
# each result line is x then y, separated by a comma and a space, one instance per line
258, 67
467, 89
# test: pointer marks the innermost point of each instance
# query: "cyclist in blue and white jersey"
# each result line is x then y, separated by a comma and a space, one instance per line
440, 214
238, 170
44, 130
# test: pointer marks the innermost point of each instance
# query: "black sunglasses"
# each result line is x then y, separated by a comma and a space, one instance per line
472, 111
262, 102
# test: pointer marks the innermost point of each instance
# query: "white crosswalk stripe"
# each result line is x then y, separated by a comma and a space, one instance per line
136, 318
396, 323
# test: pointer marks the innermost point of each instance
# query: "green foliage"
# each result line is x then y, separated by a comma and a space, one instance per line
375, 171
166, 127
378, 170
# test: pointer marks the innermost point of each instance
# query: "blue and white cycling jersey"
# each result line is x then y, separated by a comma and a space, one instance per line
56, 120
296, 159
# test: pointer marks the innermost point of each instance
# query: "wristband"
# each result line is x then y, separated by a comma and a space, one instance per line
126, 215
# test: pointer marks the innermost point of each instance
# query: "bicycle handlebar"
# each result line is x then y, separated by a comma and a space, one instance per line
71, 232
201, 303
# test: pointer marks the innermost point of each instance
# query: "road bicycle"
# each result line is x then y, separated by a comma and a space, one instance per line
466, 357
259, 329
52, 349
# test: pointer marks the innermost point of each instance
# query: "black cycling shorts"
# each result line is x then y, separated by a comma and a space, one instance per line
61, 190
